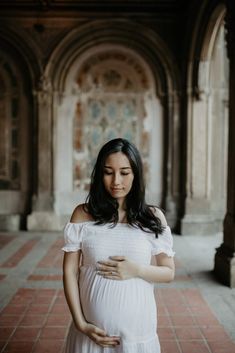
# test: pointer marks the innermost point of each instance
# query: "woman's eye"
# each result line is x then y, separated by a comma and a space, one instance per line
110, 173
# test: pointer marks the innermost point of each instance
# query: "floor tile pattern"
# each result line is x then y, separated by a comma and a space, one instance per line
34, 317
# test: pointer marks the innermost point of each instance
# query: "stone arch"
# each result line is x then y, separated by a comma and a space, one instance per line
17, 76
150, 46
110, 85
154, 52
207, 123
203, 45
20, 45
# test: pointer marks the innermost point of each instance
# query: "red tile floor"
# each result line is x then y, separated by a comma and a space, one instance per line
34, 317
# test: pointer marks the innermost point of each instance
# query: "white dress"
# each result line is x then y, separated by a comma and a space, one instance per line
124, 308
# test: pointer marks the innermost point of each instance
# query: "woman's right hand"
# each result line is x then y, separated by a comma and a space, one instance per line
99, 336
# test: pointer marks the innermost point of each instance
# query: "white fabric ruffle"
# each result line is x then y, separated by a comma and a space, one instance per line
76, 340
73, 233
163, 244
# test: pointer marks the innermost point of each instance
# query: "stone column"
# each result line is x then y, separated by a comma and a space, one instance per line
43, 198
171, 204
206, 158
225, 254
198, 218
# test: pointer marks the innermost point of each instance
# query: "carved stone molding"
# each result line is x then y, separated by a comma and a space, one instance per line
44, 91
45, 36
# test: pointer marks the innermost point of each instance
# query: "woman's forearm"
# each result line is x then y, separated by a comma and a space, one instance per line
71, 291
156, 274
120, 267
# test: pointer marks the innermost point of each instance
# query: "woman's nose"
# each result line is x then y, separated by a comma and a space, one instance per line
116, 179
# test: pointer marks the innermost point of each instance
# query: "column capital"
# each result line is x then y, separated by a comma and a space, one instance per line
44, 91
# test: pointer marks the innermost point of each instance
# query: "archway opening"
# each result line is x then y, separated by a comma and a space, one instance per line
15, 139
207, 133
109, 93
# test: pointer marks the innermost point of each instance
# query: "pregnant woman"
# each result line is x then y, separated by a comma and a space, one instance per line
109, 243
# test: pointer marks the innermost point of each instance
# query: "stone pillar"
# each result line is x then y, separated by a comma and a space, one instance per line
42, 205
172, 184
198, 218
205, 203
225, 254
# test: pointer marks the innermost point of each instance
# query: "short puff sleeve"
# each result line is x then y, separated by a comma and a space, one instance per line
163, 244
73, 233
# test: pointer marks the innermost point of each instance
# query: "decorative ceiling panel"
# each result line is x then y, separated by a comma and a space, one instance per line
137, 5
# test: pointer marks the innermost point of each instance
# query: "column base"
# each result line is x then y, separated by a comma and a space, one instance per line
46, 221
225, 266
10, 222
171, 213
200, 225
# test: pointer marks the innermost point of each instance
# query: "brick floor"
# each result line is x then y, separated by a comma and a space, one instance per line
34, 317
19, 254
5, 239
53, 257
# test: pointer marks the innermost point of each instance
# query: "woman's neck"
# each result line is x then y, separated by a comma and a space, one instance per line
121, 211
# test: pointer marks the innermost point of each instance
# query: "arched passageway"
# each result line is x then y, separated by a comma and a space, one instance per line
103, 87
17, 178
207, 129
177, 84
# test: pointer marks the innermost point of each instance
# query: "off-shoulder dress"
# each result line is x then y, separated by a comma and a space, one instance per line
124, 308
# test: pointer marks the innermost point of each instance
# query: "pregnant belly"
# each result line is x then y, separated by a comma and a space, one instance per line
126, 308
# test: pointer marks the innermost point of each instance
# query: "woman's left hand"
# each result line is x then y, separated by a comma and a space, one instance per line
118, 268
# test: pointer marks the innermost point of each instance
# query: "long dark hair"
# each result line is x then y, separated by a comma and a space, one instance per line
104, 208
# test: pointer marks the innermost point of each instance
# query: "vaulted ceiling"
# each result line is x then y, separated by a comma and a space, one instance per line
95, 5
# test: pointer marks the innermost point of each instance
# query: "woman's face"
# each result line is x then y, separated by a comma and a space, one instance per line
118, 175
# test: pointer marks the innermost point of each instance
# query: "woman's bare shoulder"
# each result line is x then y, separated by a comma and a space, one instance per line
80, 214
159, 214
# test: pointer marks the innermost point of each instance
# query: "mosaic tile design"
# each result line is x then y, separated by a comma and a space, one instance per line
112, 86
